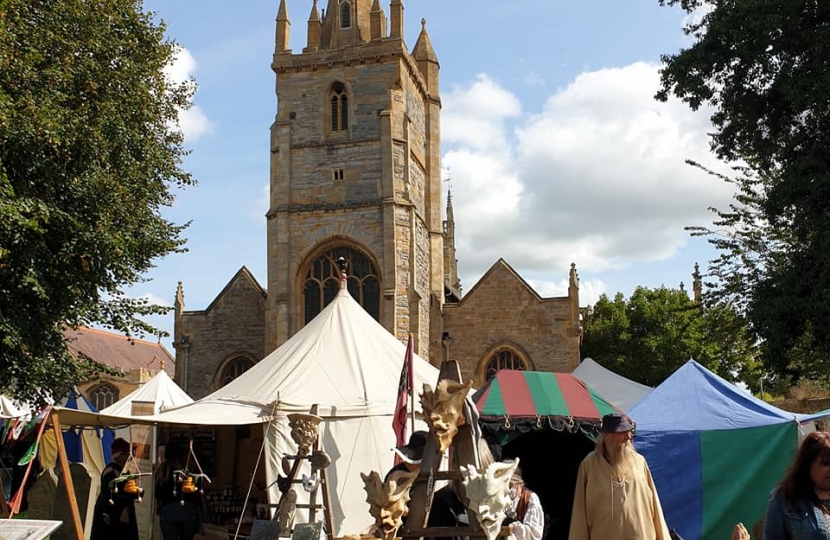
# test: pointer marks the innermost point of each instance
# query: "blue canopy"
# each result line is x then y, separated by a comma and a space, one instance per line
695, 399
714, 450
72, 436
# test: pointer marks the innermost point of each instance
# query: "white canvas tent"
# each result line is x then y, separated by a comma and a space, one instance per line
622, 392
347, 364
160, 390
152, 397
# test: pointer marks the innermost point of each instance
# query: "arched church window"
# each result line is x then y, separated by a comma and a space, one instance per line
503, 358
345, 15
103, 395
322, 281
233, 369
339, 108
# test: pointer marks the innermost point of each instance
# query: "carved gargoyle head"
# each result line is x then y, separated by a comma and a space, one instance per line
388, 500
444, 409
488, 491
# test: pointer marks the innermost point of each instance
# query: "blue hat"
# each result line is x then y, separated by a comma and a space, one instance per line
615, 423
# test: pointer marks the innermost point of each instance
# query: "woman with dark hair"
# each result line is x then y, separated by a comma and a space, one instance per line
799, 508
178, 507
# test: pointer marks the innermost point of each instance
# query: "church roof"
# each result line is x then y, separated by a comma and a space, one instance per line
118, 351
241, 274
501, 265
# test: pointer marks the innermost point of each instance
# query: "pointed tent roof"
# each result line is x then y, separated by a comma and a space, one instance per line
622, 392
160, 390
343, 360
698, 400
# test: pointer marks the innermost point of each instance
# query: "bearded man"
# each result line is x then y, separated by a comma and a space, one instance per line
615, 495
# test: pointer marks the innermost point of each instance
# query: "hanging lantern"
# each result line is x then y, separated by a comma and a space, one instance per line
189, 486
131, 487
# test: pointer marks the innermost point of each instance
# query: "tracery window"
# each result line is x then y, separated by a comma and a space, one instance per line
234, 369
339, 108
503, 359
322, 281
345, 15
103, 395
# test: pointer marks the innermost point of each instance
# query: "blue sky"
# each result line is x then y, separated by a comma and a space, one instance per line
556, 149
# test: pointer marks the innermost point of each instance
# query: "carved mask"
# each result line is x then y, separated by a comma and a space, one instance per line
388, 501
444, 409
487, 489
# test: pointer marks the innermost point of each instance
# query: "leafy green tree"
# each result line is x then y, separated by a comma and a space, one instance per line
88, 161
648, 336
763, 68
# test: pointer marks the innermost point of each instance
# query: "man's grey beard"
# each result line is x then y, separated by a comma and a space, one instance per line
622, 459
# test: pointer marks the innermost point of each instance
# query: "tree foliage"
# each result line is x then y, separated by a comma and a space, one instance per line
649, 336
88, 161
763, 67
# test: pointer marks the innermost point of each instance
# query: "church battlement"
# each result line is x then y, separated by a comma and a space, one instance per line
363, 40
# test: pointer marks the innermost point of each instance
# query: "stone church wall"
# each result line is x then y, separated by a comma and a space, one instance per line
234, 324
502, 310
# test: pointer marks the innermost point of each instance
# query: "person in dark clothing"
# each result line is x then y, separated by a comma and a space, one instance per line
178, 506
114, 509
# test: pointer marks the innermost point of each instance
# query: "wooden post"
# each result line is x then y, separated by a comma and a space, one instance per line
67, 478
327, 515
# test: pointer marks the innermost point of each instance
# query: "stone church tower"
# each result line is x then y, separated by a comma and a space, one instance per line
355, 173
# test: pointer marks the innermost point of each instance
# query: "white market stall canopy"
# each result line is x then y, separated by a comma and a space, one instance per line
160, 390
622, 392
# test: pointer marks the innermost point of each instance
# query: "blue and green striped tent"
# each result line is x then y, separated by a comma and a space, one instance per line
715, 451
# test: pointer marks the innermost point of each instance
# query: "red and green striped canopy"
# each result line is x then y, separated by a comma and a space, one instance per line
530, 395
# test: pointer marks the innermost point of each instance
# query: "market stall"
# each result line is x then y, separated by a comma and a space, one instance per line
549, 421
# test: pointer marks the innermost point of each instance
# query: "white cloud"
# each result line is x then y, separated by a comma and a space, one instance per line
589, 290
598, 177
154, 299
475, 116
192, 122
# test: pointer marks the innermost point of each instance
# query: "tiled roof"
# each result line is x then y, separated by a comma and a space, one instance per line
115, 350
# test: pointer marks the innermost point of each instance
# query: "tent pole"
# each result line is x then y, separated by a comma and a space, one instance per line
67, 478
